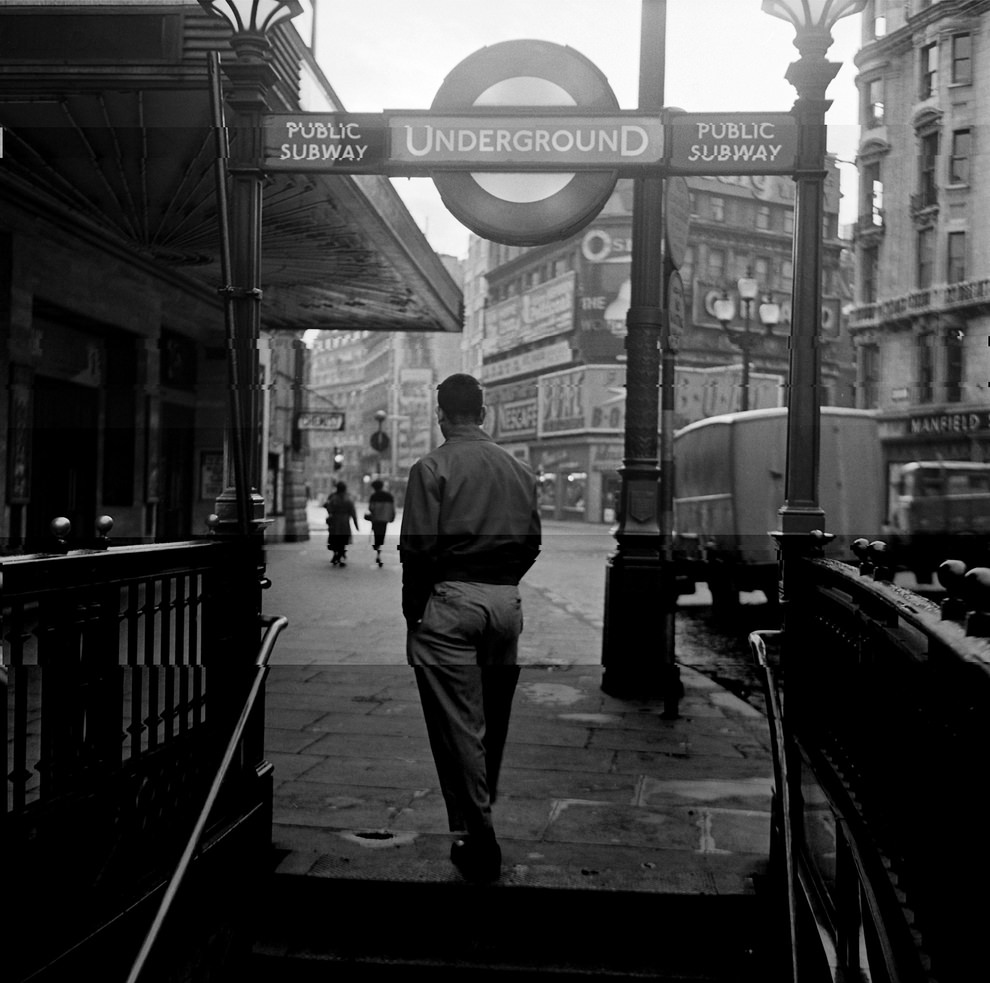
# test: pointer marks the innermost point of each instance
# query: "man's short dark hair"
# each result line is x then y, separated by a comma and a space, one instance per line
461, 397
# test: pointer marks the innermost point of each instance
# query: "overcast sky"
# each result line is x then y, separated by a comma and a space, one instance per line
722, 56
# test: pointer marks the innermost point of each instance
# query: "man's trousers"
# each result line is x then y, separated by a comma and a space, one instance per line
464, 655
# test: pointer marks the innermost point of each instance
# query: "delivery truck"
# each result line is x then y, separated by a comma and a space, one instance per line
729, 485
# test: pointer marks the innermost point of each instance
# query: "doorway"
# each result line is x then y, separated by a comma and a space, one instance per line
63, 461
175, 508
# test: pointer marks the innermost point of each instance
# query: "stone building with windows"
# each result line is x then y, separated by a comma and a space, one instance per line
554, 325
921, 317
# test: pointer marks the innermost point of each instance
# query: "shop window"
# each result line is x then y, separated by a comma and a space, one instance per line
956, 258
962, 59
928, 81
546, 491
575, 491
959, 158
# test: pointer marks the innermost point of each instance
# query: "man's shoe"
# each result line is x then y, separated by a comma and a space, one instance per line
478, 859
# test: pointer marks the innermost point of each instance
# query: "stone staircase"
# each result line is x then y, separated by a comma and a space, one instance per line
541, 921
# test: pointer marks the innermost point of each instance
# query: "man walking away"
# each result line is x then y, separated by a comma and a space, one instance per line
470, 531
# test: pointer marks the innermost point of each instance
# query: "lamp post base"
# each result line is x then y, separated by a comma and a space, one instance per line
638, 635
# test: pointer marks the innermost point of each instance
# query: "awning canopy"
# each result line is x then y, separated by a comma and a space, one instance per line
124, 145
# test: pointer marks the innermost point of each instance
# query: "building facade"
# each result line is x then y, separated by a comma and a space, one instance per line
922, 242
384, 385
553, 350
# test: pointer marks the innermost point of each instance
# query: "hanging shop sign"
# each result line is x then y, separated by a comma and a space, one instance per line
333, 420
732, 143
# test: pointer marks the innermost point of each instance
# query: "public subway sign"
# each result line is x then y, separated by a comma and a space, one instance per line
405, 142
349, 143
525, 141
732, 143
418, 143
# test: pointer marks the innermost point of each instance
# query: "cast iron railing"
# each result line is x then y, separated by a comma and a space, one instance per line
126, 671
273, 626
881, 701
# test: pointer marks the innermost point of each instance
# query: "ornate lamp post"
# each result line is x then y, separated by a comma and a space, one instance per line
801, 515
725, 311
638, 591
251, 75
810, 75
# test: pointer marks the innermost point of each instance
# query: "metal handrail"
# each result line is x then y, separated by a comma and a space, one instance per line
273, 627
778, 749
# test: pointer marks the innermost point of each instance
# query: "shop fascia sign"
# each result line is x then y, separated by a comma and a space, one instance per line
410, 143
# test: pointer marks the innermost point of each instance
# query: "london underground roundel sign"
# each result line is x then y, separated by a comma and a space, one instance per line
528, 208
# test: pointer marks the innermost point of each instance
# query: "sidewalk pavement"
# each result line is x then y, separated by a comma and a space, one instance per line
596, 792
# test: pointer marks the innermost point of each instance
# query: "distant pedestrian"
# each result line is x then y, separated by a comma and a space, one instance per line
470, 530
381, 511
340, 514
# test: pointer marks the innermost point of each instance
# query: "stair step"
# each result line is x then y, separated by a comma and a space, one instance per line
377, 928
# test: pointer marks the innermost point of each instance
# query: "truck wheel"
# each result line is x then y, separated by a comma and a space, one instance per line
725, 594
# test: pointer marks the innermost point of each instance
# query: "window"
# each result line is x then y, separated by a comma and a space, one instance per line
718, 209
789, 221
763, 217
869, 273
869, 373
929, 160
926, 243
879, 18
956, 258
954, 363
873, 110
959, 160
761, 271
926, 366
871, 212
716, 264
962, 61
929, 71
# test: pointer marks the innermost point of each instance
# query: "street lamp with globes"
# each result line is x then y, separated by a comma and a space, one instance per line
810, 75
744, 340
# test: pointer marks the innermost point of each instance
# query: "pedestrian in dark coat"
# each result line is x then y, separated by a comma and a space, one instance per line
340, 514
381, 511
470, 530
